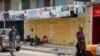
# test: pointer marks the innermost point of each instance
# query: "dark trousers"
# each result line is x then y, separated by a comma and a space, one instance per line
37, 42
31, 41
78, 47
12, 44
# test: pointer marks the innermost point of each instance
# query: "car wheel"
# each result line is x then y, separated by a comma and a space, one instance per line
1, 48
18, 49
89, 53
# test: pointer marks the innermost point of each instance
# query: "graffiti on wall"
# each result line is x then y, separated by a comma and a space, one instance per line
41, 13
48, 12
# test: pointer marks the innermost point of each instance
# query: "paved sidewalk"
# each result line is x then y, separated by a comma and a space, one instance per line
48, 48
59, 46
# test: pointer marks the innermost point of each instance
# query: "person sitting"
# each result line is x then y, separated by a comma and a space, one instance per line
45, 40
37, 41
32, 36
27, 39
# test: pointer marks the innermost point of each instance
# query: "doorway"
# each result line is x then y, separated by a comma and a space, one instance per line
19, 26
96, 30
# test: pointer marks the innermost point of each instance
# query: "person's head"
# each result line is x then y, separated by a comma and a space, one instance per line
36, 36
81, 28
28, 37
44, 36
13, 27
31, 29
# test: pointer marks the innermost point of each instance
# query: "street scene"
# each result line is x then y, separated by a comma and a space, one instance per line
45, 50
49, 27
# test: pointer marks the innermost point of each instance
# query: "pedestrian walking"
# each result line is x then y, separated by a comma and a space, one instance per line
12, 39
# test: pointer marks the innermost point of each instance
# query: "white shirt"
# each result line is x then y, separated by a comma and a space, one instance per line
32, 35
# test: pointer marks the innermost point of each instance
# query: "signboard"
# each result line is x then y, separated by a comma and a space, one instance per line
49, 12
32, 13
6, 16
62, 11
97, 1
1, 15
41, 13
96, 11
83, 0
16, 15
80, 7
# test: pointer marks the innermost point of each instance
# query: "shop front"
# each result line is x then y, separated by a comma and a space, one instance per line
96, 24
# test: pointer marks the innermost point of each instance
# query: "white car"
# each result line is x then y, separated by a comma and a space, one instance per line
94, 49
4, 40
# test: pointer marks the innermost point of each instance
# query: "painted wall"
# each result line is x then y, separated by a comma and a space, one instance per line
40, 3
64, 30
1, 11
7, 5
69, 1
2, 6
25, 4
41, 27
15, 4
60, 2
32, 4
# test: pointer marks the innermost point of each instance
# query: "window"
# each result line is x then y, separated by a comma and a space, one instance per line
7, 5
46, 3
40, 3
25, 4
59, 2
84, 0
53, 2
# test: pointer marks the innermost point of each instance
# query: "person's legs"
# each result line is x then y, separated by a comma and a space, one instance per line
38, 42
31, 41
78, 49
12, 44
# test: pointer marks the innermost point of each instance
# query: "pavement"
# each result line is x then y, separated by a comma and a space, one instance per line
26, 53
49, 48
42, 50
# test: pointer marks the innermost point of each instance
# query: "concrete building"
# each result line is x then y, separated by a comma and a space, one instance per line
6, 5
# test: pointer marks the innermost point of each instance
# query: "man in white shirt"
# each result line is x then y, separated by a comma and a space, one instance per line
32, 36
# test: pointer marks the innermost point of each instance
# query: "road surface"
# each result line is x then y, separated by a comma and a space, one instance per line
30, 53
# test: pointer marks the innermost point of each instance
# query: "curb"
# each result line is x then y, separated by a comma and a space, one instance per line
55, 51
40, 50
58, 46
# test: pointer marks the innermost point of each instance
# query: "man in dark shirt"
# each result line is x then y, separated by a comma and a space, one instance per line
12, 38
80, 38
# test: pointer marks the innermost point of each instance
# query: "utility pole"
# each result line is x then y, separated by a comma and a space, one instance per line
51, 2
5, 17
4, 23
51, 22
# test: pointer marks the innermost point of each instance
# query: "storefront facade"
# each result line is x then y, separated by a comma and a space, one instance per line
96, 24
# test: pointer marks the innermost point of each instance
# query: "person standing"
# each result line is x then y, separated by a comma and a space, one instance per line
32, 37
12, 39
80, 38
